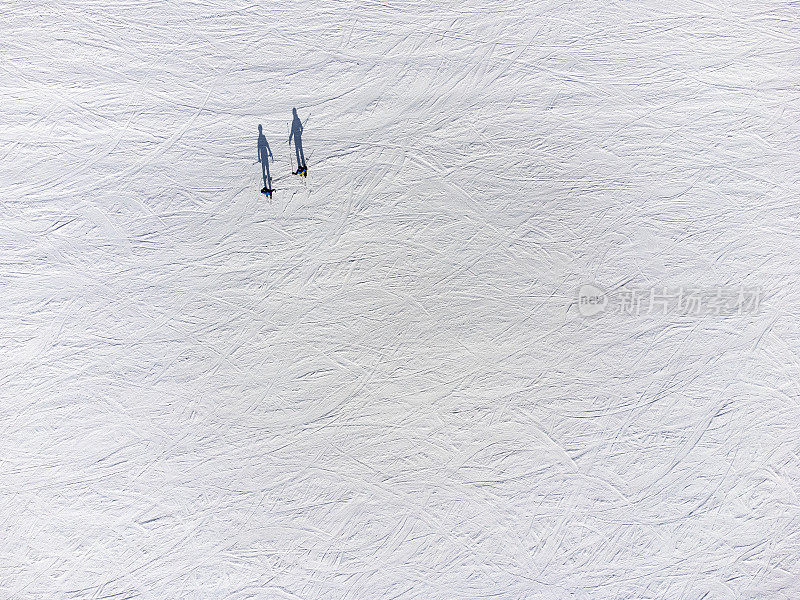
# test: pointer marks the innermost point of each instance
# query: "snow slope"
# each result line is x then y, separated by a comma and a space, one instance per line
378, 385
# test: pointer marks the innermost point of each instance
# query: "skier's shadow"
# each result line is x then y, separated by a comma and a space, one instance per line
264, 154
297, 134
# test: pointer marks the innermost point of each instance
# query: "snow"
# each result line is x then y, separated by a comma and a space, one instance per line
378, 385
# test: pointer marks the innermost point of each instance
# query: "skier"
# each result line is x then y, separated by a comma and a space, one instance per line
264, 154
297, 132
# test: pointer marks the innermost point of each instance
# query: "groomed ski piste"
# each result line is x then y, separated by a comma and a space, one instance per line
383, 382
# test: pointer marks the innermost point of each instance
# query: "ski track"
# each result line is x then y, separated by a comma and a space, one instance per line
377, 385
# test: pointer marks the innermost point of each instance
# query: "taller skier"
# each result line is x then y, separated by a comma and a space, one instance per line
296, 133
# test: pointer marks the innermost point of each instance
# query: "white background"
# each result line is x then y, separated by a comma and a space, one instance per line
377, 385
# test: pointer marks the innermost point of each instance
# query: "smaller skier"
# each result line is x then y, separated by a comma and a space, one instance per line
296, 133
264, 154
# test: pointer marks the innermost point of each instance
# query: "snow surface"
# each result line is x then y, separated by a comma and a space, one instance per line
378, 385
